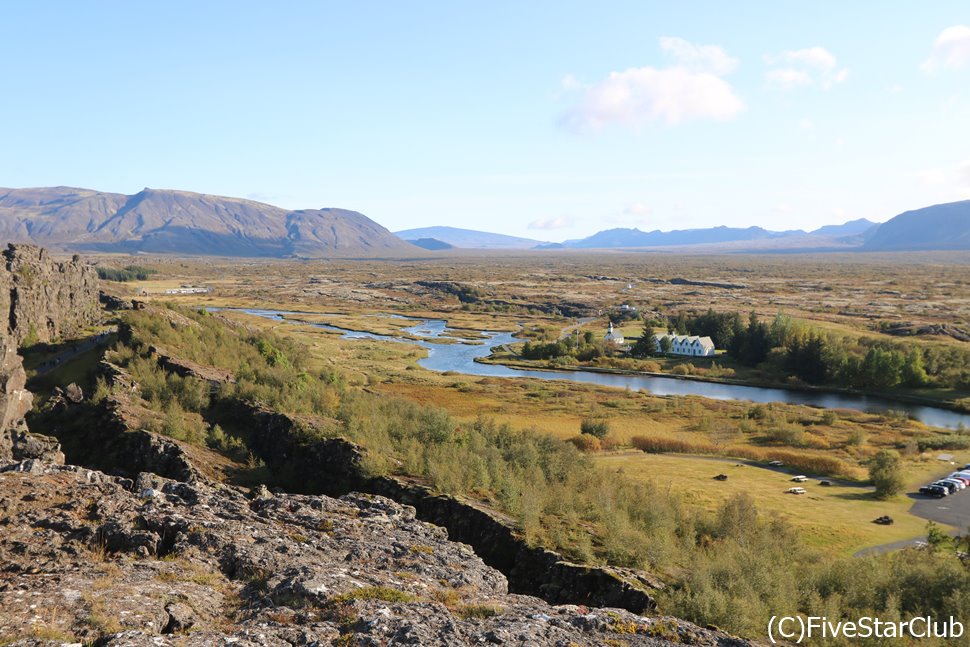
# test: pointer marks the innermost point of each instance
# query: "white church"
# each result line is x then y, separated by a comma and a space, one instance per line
614, 337
687, 345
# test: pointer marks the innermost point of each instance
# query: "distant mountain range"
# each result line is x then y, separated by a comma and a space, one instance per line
180, 222
939, 227
468, 238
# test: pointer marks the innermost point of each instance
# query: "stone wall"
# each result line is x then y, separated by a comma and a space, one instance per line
43, 299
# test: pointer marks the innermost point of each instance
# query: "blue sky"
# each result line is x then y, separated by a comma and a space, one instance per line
550, 120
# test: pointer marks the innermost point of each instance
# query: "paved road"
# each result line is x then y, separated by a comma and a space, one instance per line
569, 329
72, 351
952, 512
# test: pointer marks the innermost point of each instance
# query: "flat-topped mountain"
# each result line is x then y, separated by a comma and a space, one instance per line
182, 222
636, 238
851, 228
469, 238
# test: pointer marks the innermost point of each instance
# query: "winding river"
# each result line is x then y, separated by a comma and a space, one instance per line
460, 357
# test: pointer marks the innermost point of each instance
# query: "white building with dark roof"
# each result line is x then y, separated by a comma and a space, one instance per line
691, 345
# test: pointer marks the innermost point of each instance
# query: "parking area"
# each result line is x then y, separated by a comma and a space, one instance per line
953, 510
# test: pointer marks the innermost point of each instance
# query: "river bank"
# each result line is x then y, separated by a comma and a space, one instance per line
761, 384
466, 358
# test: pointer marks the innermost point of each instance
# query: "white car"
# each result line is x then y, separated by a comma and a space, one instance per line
799, 479
795, 490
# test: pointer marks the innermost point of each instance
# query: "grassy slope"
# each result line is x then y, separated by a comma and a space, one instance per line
837, 517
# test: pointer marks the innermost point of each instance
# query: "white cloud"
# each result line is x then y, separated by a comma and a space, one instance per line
806, 124
702, 58
690, 89
951, 49
932, 177
812, 66
788, 78
637, 209
556, 222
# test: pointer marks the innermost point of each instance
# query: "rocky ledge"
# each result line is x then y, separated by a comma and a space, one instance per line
86, 557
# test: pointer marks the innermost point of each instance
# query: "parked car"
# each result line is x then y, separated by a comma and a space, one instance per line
795, 490
960, 485
884, 520
776, 464
960, 477
937, 491
950, 487
799, 478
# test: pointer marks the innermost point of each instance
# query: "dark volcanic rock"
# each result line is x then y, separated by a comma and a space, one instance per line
87, 557
905, 329
16, 443
187, 368
45, 299
333, 466
114, 302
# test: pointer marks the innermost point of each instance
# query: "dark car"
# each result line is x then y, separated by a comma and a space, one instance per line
934, 491
950, 487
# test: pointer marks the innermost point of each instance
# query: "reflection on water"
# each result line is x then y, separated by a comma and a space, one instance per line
460, 358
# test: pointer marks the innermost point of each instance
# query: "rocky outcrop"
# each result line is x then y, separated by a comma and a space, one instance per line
309, 464
16, 443
707, 284
88, 558
187, 368
121, 446
114, 302
45, 299
109, 435
532, 570
909, 329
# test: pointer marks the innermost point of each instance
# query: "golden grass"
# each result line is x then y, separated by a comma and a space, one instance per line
838, 517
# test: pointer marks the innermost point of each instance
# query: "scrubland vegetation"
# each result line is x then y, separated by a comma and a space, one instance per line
123, 274
732, 566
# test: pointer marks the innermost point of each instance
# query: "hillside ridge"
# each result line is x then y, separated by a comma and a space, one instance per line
165, 221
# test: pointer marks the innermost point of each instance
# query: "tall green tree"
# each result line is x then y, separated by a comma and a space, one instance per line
886, 473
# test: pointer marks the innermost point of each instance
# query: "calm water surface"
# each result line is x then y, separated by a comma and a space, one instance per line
460, 358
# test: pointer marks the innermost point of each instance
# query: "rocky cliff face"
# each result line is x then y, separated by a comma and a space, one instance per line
15, 401
147, 562
45, 299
